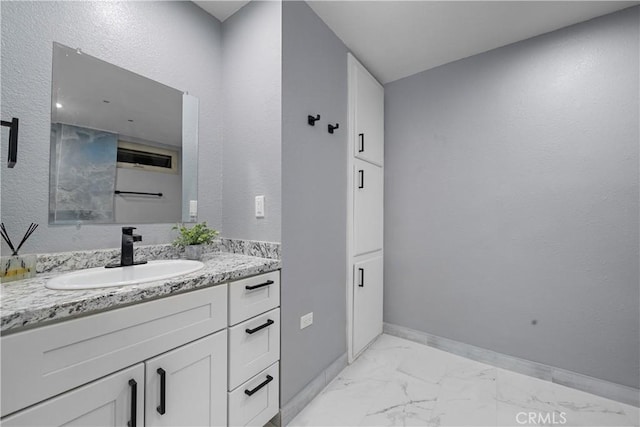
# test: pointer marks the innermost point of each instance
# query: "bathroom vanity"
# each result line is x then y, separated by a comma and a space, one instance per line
201, 349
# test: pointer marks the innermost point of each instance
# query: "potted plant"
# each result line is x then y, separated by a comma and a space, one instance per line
192, 239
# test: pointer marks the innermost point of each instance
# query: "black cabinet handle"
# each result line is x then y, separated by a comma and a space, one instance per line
266, 324
134, 402
267, 283
361, 176
163, 385
361, 281
262, 384
361, 143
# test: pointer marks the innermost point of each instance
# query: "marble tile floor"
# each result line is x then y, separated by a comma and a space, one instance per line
397, 382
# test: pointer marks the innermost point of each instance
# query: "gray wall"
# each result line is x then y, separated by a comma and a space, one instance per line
175, 43
314, 185
252, 76
165, 209
511, 195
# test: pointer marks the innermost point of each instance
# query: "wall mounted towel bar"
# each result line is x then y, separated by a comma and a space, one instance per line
138, 193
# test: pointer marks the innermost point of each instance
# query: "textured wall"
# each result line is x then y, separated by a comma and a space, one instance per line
314, 185
148, 209
252, 61
511, 195
175, 43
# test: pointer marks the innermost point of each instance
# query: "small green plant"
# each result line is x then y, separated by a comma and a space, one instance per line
199, 234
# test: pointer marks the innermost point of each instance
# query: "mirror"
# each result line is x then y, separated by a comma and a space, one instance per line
123, 147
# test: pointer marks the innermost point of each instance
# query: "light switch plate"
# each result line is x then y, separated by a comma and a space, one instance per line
259, 206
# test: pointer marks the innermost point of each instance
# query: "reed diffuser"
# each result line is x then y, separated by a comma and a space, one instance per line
16, 266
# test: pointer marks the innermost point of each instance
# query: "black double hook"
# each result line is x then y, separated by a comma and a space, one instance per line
312, 120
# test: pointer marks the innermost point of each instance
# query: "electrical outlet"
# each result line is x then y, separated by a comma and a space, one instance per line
306, 320
259, 206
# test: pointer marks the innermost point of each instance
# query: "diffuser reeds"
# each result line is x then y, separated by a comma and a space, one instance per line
5, 236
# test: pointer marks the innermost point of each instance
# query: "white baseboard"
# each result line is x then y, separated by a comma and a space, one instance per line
311, 390
613, 391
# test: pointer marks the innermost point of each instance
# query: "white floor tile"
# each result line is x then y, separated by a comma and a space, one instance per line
403, 401
524, 400
397, 382
468, 397
584, 409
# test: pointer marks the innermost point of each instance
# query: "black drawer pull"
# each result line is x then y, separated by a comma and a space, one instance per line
267, 283
361, 145
134, 402
161, 408
262, 384
266, 324
361, 281
361, 176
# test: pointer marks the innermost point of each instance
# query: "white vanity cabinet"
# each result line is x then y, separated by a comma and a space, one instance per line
43, 362
116, 400
164, 362
183, 386
254, 350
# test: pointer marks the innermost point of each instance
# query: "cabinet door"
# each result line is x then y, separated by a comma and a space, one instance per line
116, 400
367, 301
188, 386
369, 118
368, 208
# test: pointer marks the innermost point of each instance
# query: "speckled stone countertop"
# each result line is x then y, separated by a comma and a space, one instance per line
28, 303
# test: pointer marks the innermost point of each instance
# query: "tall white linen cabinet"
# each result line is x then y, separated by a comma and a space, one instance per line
365, 208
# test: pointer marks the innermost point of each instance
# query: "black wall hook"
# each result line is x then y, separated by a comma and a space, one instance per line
332, 127
312, 120
13, 141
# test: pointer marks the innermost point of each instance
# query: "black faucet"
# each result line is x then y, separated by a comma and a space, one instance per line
126, 255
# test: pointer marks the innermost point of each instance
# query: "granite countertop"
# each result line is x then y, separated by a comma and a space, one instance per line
28, 303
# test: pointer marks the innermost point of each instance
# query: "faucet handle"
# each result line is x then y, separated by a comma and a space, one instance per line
128, 230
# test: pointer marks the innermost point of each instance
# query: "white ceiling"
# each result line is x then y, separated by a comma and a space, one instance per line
395, 39
222, 9
98, 95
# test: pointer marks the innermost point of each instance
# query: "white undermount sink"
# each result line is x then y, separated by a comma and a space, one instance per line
132, 275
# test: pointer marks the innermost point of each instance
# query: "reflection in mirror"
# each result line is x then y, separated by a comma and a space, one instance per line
123, 147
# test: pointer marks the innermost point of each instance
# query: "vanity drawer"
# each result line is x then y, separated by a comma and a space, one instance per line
56, 358
252, 296
256, 401
253, 346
